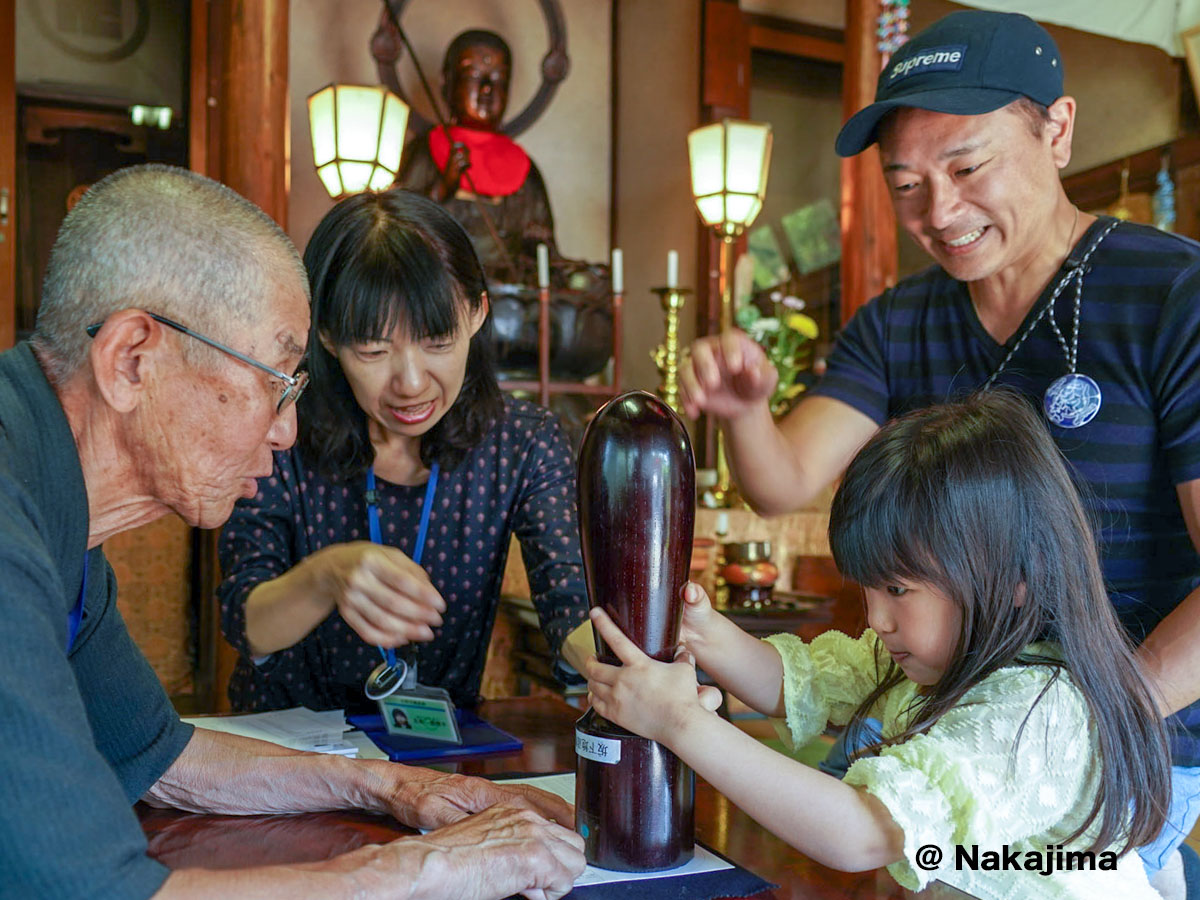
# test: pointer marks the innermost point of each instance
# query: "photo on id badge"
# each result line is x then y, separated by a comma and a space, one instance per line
421, 712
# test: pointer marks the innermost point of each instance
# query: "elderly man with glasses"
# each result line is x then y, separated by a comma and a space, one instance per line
162, 374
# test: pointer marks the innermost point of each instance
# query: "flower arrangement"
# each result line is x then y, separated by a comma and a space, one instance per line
785, 338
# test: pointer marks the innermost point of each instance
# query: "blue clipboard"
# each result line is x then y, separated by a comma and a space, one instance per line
479, 737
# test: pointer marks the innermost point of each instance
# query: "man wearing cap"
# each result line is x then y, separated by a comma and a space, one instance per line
1096, 322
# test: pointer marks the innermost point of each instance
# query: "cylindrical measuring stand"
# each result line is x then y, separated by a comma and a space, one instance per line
634, 799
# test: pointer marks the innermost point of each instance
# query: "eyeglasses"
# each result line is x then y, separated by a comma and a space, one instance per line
293, 385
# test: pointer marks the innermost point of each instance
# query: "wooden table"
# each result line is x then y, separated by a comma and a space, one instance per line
546, 725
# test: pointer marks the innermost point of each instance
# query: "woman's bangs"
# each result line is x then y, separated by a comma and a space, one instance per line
413, 294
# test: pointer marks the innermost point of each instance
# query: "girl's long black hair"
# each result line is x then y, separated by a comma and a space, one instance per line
377, 262
975, 499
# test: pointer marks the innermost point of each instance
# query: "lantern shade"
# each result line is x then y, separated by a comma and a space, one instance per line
730, 160
357, 136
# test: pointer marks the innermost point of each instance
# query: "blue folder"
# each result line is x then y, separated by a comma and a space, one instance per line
479, 737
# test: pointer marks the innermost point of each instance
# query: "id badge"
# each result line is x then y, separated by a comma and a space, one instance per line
421, 712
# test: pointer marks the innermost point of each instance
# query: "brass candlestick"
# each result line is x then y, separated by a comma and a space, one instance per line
666, 354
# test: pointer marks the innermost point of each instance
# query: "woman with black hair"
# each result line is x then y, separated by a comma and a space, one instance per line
403, 429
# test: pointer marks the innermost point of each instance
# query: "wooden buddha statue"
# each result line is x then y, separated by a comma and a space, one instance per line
474, 163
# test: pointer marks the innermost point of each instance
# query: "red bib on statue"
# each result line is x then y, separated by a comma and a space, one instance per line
498, 166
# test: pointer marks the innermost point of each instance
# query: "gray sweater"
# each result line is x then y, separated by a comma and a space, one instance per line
83, 734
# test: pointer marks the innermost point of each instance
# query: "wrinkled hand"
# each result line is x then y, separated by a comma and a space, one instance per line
726, 376
648, 697
382, 594
425, 798
501, 851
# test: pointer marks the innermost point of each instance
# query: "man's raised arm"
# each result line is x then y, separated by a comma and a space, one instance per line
779, 467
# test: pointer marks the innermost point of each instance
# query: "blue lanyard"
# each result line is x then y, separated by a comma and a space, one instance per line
76, 616
389, 654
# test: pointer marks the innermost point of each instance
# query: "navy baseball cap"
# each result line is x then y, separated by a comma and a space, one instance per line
969, 63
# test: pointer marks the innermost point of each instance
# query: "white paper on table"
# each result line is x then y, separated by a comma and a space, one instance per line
367, 748
563, 784
298, 728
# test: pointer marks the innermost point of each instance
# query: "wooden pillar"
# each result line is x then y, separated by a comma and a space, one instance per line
869, 254
208, 18
254, 103
241, 139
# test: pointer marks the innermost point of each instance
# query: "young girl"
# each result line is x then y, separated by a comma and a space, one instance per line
1016, 730
389, 521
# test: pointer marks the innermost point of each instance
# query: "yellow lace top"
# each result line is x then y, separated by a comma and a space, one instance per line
960, 785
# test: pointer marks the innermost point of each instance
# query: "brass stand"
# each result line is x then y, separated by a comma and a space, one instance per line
725, 493
666, 354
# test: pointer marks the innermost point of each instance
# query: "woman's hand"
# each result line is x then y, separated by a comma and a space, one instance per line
648, 697
379, 592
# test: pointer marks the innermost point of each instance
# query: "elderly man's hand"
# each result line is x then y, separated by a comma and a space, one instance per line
501, 851
429, 799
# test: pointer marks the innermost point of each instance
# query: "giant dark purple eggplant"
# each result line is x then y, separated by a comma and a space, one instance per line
634, 799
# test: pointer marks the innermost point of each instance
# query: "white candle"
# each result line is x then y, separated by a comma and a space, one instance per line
618, 272
672, 269
543, 254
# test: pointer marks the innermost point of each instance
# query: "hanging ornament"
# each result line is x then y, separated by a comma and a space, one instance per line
1163, 201
892, 28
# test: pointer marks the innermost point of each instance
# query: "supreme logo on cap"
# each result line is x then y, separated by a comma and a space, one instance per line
935, 59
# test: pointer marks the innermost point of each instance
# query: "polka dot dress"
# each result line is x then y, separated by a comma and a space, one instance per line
520, 480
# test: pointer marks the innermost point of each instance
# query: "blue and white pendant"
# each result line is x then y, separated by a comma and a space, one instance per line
1072, 401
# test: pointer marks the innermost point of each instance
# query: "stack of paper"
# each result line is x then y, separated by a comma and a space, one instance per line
299, 729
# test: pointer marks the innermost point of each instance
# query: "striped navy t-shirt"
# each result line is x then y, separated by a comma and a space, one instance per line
922, 343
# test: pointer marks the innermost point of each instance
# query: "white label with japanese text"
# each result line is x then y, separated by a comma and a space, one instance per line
597, 749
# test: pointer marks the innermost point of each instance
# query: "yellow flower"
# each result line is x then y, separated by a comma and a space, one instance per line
803, 324
792, 391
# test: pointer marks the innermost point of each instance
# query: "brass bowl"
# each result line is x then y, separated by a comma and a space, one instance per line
748, 574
